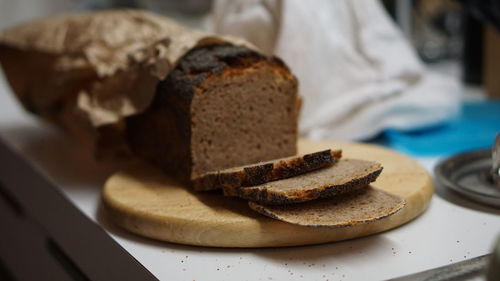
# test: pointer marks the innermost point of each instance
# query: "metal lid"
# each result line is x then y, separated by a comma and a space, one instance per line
473, 175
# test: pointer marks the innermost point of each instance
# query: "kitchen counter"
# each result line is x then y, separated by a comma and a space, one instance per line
451, 230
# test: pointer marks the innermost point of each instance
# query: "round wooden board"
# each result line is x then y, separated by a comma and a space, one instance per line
146, 202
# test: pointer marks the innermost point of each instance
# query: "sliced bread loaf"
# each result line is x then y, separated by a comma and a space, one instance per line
223, 106
361, 206
249, 175
344, 176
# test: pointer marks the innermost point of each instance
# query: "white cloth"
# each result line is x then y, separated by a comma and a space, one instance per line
357, 73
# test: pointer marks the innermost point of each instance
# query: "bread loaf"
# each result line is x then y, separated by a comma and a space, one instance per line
223, 106
233, 178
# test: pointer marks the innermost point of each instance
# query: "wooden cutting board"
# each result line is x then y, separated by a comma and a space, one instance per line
146, 202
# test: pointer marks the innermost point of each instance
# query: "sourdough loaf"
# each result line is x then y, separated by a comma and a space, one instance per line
233, 178
345, 176
364, 205
223, 106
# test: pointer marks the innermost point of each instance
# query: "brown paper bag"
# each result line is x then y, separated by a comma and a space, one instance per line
87, 72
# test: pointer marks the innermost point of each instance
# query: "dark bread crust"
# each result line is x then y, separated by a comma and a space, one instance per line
162, 134
206, 60
269, 196
231, 180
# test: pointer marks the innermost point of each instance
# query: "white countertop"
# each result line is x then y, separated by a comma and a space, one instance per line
451, 230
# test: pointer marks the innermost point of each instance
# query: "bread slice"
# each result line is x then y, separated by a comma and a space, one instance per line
223, 106
249, 175
344, 176
364, 205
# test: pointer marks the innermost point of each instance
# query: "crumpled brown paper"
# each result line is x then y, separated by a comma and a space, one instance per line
87, 72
